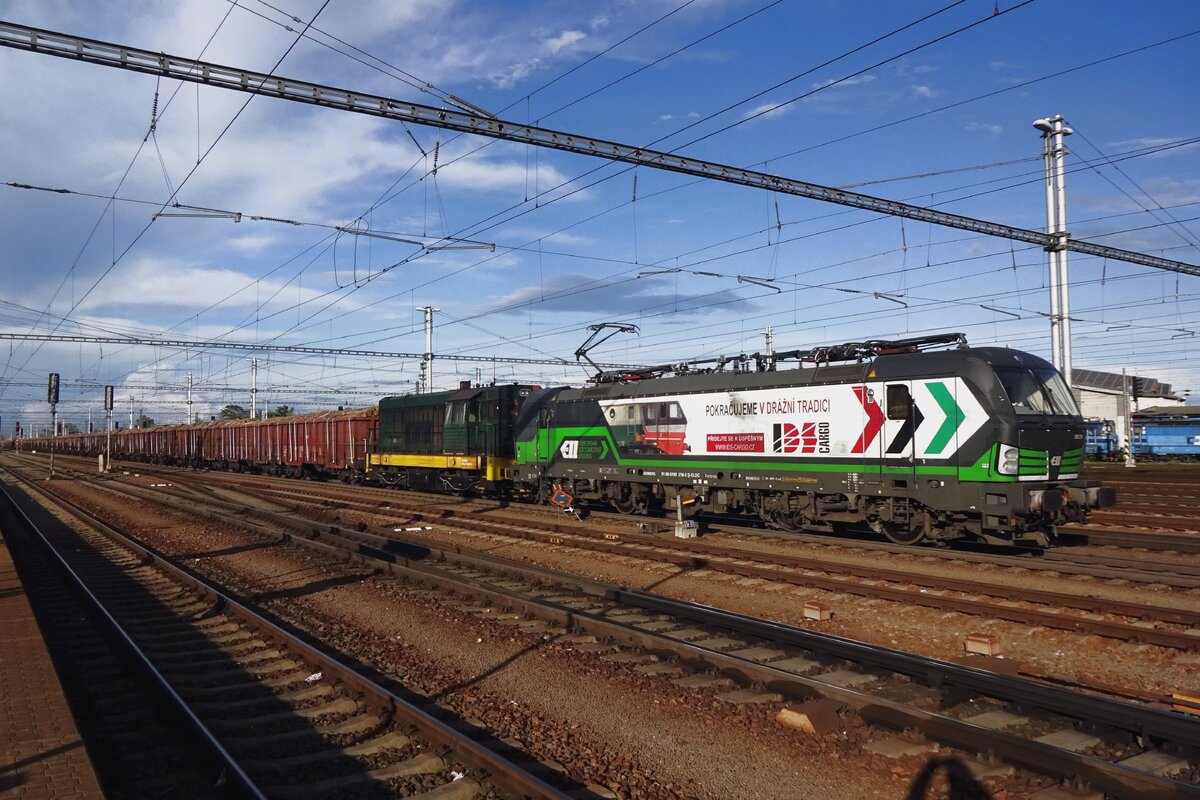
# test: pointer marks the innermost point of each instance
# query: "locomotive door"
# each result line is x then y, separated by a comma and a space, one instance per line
896, 517
542, 450
897, 445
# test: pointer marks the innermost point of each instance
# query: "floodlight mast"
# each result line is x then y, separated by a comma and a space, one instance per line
61, 45
426, 384
1053, 152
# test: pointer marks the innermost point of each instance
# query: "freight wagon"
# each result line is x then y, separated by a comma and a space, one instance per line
324, 444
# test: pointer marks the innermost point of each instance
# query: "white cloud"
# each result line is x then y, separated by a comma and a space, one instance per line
769, 110
159, 282
984, 127
923, 91
251, 243
513, 74
564, 40
499, 174
1162, 143
857, 80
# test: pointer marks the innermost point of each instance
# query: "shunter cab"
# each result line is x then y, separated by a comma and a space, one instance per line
451, 441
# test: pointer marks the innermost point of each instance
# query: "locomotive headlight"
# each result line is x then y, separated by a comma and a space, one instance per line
1009, 459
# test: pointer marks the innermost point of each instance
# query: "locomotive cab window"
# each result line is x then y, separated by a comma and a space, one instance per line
899, 401
1037, 391
459, 413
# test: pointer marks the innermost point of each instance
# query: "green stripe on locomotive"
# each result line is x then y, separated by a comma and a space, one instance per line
546, 449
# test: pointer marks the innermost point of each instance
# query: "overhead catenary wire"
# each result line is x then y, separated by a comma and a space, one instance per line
104, 274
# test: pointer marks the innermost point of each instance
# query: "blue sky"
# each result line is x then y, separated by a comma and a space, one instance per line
929, 114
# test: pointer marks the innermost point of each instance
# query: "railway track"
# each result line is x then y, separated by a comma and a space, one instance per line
1128, 749
157, 757
1179, 573
1136, 622
284, 719
1185, 539
1171, 627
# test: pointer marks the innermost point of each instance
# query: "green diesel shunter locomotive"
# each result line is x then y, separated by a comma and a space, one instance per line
456, 441
919, 443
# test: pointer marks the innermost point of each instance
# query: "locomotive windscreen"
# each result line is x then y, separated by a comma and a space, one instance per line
1037, 391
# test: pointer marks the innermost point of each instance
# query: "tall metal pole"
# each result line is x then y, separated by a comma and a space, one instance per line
426, 384
1051, 254
1064, 284
190, 418
53, 434
1053, 132
52, 398
108, 409
1127, 422
254, 388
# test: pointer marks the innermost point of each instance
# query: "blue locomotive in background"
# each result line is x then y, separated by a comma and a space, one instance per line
1155, 436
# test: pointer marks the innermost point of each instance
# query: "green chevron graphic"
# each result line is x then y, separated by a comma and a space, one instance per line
954, 416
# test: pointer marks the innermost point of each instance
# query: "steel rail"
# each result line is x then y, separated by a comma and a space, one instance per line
470, 752
1147, 721
1119, 538
108, 54
701, 555
1182, 575
235, 772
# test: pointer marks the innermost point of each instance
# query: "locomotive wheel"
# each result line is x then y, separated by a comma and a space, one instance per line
625, 505
898, 535
630, 502
792, 523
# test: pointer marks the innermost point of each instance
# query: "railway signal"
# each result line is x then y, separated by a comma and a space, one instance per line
52, 399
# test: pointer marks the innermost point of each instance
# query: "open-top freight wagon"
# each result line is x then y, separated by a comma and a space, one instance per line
324, 444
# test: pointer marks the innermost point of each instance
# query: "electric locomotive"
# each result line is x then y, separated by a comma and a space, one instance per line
919, 443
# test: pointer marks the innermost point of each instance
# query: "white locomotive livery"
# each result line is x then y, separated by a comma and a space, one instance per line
829, 422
